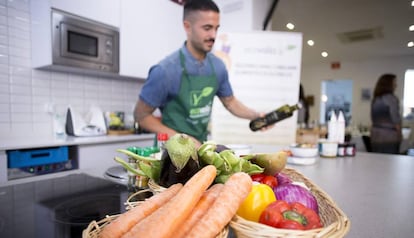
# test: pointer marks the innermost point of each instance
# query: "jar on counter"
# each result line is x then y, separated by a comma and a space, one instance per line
342, 149
350, 149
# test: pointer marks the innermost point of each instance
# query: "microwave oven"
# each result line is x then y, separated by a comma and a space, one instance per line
85, 44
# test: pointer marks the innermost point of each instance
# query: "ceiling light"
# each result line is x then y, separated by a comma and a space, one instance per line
412, 3
290, 26
324, 54
311, 43
410, 44
411, 28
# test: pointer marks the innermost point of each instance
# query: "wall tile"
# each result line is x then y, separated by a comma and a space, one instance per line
18, 80
5, 122
19, 4
22, 108
25, 91
4, 108
21, 128
17, 89
3, 10
4, 88
15, 99
17, 117
18, 33
19, 61
5, 97
4, 59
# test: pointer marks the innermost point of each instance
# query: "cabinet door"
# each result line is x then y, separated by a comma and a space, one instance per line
150, 30
105, 11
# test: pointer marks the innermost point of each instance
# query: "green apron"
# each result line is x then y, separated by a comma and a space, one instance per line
189, 112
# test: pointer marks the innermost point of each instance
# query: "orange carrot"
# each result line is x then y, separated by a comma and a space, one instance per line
200, 209
127, 220
165, 221
235, 190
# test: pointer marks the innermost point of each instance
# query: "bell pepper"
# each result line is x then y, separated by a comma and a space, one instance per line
256, 201
297, 216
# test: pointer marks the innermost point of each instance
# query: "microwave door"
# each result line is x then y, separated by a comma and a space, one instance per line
83, 44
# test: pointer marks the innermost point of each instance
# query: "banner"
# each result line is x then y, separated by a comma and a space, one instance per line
264, 71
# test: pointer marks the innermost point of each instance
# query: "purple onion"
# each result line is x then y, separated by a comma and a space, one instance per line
283, 179
296, 193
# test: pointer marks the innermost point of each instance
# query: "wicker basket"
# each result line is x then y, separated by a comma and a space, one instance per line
95, 227
336, 223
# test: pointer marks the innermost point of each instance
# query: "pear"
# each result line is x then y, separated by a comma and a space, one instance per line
272, 163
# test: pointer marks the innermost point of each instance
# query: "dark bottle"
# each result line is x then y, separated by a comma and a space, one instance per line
279, 114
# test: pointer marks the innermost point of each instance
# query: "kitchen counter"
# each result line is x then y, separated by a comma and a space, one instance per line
374, 190
93, 155
24, 143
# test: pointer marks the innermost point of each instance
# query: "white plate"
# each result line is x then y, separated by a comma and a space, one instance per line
301, 160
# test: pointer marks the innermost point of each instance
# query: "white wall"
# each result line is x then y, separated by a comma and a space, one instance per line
364, 75
24, 91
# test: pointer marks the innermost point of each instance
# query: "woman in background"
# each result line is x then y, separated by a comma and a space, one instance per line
385, 116
303, 113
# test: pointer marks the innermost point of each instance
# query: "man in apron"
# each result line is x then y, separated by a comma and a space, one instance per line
183, 85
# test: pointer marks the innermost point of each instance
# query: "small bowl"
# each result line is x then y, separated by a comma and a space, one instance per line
304, 150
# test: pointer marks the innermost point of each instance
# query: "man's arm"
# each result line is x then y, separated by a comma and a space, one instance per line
143, 115
237, 108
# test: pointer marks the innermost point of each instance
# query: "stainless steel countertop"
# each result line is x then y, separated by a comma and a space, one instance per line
375, 191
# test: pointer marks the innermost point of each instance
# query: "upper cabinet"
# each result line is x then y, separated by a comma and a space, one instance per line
149, 31
105, 11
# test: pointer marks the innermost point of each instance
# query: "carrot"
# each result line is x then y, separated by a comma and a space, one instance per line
127, 220
235, 190
165, 221
202, 206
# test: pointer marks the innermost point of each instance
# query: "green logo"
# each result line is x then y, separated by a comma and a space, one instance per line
198, 95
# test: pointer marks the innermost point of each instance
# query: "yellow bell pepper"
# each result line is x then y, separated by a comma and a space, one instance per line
259, 197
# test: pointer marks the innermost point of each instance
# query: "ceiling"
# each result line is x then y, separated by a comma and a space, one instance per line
323, 20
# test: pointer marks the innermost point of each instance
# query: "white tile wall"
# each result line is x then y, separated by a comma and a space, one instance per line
25, 92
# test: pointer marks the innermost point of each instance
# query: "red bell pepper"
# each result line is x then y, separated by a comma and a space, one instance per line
297, 216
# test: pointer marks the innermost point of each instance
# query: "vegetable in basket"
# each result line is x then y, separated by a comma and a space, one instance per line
272, 163
259, 197
225, 160
295, 193
265, 179
296, 216
178, 164
179, 161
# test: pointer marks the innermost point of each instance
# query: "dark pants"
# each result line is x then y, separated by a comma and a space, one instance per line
386, 148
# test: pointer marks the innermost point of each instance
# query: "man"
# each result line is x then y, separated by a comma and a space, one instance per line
184, 84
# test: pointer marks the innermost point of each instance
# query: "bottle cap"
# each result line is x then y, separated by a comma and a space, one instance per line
162, 136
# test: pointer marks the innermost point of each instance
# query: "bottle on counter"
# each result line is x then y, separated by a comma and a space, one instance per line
271, 118
332, 131
340, 128
161, 140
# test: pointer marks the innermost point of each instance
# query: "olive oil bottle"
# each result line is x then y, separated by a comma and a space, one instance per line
271, 118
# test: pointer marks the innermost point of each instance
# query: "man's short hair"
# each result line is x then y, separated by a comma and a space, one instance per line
199, 5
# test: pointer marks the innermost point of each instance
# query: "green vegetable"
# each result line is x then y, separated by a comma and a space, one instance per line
225, 160
146, 166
